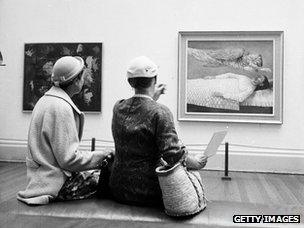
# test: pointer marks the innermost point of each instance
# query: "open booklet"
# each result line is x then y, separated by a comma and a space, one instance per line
214, 143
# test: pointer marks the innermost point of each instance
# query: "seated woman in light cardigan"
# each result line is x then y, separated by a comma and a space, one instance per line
54, 161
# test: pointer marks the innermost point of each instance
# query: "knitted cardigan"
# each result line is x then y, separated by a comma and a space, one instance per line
53, 140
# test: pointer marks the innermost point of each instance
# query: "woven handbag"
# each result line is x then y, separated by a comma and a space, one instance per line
182, 190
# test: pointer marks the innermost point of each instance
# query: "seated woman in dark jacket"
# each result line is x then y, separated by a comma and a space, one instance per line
144, 132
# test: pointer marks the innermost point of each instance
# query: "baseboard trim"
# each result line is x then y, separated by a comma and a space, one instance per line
247, 160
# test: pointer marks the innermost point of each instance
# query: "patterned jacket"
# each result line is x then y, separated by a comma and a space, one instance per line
143, 132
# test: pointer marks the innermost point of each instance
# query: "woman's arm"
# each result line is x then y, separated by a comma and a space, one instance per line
60, 131
172, 151
169, 146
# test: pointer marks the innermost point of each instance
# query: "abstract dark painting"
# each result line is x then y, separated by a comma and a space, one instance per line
39, 59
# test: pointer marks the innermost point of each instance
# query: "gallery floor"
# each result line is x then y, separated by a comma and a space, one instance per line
245, 194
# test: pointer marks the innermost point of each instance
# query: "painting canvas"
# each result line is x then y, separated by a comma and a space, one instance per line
230, 76
39, 59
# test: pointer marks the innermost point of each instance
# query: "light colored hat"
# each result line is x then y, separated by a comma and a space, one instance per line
66, 69
142, 66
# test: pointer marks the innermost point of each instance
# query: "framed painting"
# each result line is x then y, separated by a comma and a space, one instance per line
39, 59
232, 76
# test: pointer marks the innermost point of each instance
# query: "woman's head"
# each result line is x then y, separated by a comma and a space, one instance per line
66, 69
67, 72
75, 86
142, 83
142, 73
261, 82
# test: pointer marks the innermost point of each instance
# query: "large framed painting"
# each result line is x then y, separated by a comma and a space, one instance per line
39, 59
232, 76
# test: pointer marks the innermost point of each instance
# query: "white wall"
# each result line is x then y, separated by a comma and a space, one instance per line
150, 27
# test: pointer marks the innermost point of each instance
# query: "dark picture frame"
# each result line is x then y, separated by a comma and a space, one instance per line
231, 76
39, 59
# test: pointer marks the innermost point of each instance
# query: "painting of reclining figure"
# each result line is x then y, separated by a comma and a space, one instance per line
230, 78
39, 59
233, 76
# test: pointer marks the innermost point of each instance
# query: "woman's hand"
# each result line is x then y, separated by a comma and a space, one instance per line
110, 153
109, 157
159, 90
196, 162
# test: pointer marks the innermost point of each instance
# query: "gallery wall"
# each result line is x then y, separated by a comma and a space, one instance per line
150, 27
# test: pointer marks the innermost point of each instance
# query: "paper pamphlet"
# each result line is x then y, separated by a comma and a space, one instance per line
214, 143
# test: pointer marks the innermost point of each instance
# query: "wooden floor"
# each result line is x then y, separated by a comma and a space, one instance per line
258, 189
